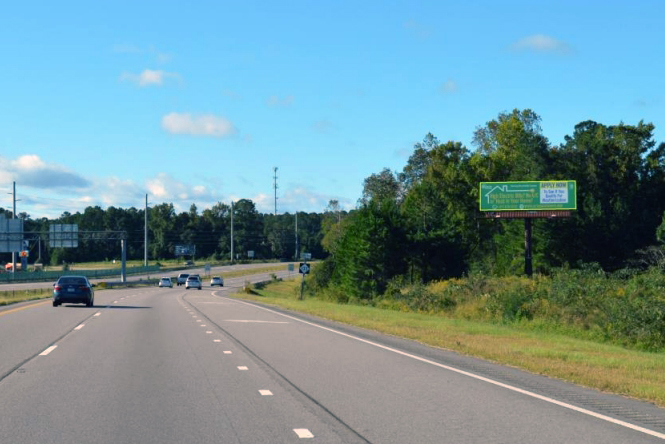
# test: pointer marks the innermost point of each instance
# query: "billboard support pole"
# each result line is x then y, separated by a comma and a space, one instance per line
528, 258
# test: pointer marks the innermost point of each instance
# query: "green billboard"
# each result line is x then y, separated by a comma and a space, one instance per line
528, 196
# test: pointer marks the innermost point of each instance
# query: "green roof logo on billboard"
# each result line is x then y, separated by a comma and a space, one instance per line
528, 196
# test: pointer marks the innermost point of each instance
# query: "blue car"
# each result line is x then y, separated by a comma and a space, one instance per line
73, 290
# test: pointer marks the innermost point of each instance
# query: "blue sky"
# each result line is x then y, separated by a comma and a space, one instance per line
196, 102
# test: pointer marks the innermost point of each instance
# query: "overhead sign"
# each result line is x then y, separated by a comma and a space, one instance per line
306, 256
528, 196
250, 254
11, 235
63, 235
304, 268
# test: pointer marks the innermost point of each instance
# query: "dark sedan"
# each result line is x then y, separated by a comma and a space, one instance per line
73, 290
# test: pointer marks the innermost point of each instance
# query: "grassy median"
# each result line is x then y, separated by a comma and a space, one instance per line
606, 367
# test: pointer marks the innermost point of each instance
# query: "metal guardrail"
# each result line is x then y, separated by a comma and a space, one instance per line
31, 276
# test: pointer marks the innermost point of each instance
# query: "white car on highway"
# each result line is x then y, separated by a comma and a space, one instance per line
217, 281
193, 281
166, 282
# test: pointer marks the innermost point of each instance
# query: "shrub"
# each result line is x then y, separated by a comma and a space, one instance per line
247, 288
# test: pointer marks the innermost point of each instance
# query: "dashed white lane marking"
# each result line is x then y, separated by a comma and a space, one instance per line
98, 314
48, 350
80, 327
471, 375
226, 352
254, 321
198, 320
115, 302
242, 367
303, 433
265, 392
202, 325
217, 340
208, 332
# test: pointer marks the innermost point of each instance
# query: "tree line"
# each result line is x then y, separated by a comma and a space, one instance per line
269, 236
423, 224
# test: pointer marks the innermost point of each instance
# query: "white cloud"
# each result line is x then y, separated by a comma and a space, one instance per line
47, 190
167, 188
203, 125
449, 87
541, 43
297, 198
276, 101
148, 77
30, 170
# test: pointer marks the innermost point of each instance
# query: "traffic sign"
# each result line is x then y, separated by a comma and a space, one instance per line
528, 196
24, 253
304, 268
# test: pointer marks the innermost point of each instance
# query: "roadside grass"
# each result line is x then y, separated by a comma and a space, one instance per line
605, 367
238, 273
14, 296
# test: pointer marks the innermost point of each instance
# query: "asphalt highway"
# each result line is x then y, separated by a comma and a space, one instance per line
154, 365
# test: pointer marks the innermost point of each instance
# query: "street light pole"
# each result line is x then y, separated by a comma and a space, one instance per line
145, 242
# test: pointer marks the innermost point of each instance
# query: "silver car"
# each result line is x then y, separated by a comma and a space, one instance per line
165, 282
193, 282
217, 281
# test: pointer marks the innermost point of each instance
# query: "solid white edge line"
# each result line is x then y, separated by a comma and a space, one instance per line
48, 350
79, 327
98, 313
474, 376
303, 433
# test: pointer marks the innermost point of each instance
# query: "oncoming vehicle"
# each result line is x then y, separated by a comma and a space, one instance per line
193, 281
217, 281
182, 278
73, 290
165, 282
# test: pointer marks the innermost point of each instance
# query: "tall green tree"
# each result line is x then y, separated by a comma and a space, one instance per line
619, 175
371, 250
508, 148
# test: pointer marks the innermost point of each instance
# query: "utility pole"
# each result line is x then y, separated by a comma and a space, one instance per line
275, 186
14, 217
297, 247
145, 235
231, 231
